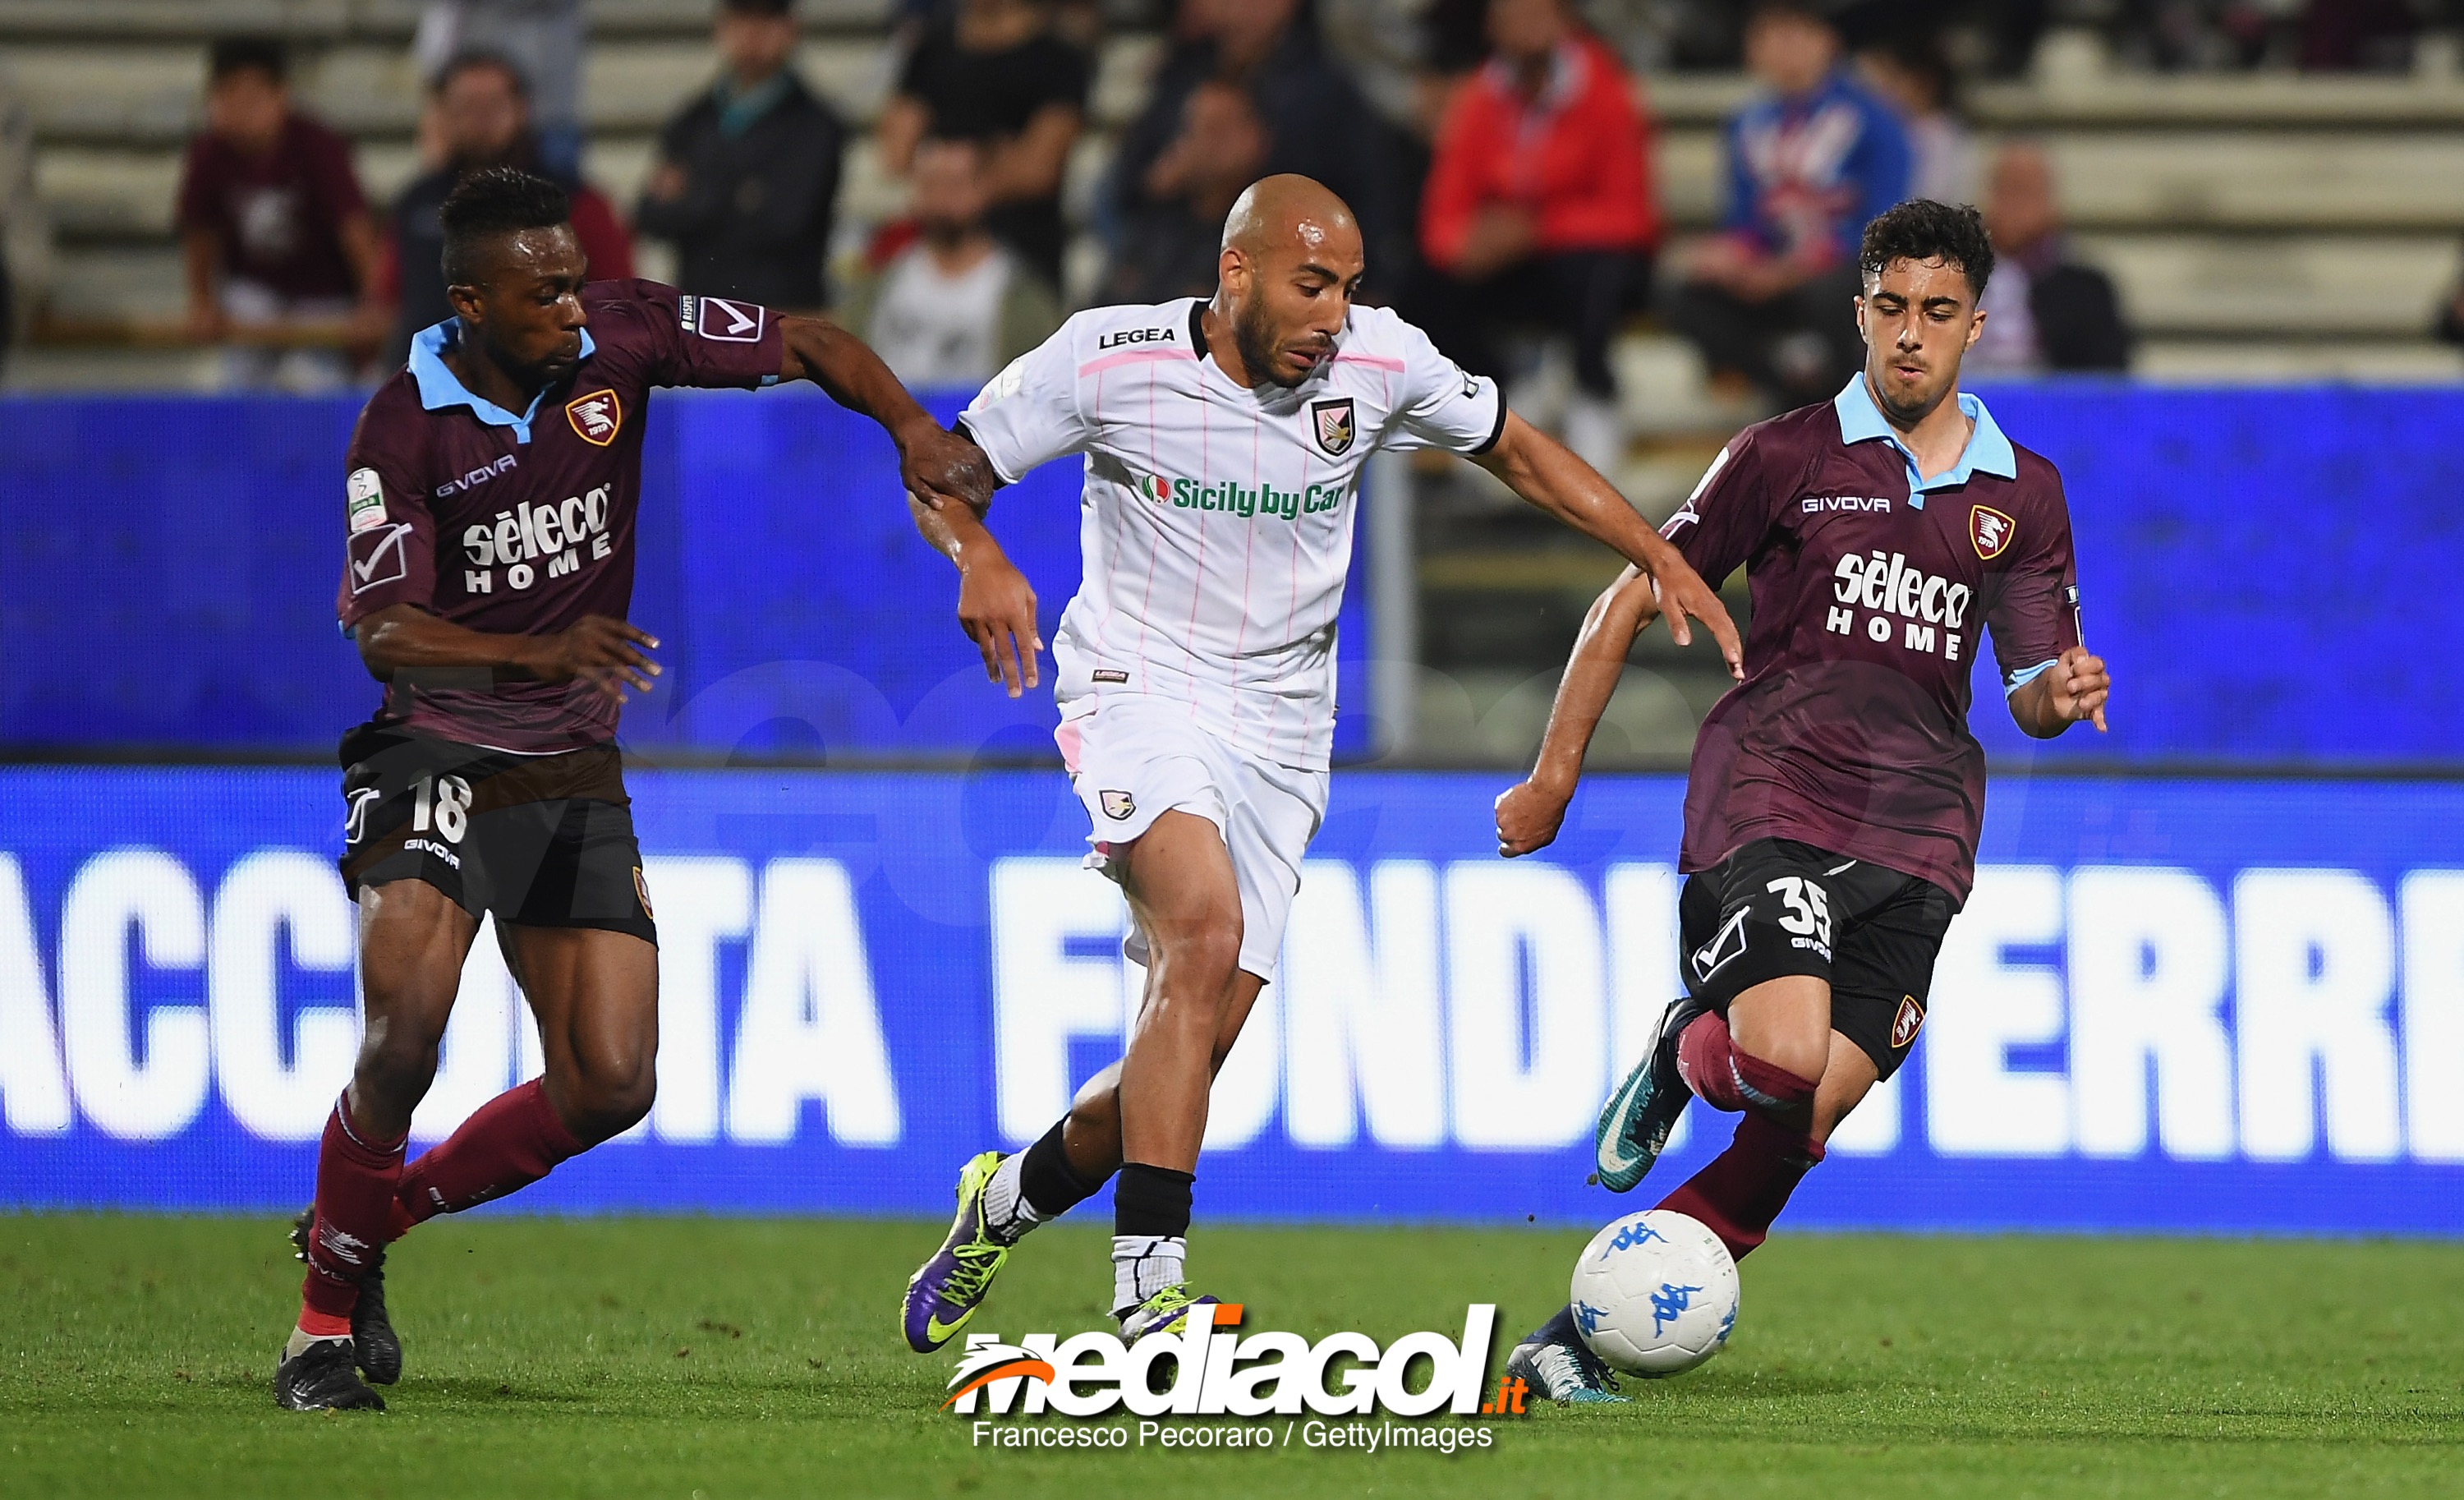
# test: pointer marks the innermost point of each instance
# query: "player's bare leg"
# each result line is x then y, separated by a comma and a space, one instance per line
1768, 1058
594, 993
1847, 1079
412, 941
1149, 1109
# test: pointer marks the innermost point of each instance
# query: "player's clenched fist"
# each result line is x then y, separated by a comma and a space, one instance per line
606, 653
2079, 686
1528, 816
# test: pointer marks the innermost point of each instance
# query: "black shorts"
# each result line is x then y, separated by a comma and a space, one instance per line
1776, 908
541, 839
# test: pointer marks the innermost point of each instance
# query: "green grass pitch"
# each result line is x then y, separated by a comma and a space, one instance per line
684, 1358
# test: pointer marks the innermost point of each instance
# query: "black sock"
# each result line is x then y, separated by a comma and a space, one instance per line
1151, 1200
1047, 1181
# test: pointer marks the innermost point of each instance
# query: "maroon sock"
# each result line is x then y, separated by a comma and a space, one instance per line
356, 1180
508, 1143
1740, 1191
1727, 1077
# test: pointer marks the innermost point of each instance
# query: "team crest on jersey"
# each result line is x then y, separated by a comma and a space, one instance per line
1334, 425
1905, 1023
596, 417
1989, 530
1118, 804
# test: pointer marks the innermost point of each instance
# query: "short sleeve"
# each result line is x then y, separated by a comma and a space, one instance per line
710, 341
200, 205
1725, 519
1029, 414
389, 533
1441, 404
2035, 613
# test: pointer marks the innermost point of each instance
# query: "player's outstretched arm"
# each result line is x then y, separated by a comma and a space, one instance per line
1548, 474
996, 603
934, 463
2074, 688
1528, 814
404, 643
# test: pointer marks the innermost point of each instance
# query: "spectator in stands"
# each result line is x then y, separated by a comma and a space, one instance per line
2043, 310
1914, 75
747, 181
1810, 160
1179, 239
280, 249
1317, 121
480, 112
25, 229
1539, 209
542, 38
955, 305
995, 73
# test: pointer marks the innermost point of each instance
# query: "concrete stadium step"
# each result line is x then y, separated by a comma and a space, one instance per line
2322, 285
2118, 100
150, 93
2141, 179
2233, 362
307, 20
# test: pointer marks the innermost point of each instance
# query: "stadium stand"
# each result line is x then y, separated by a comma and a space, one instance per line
2260, 226
2257, 224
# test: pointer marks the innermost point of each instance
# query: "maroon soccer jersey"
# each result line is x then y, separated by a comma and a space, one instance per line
277, 217
521, 524
1870, 589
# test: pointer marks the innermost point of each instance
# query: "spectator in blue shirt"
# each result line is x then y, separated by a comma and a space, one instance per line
1811, 158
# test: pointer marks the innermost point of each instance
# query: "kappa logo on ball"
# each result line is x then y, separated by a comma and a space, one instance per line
1905, 1025
1118, 804
1334, 425
597, 417
1989, 530
716, 319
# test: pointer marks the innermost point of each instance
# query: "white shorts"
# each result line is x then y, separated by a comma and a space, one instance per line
1135, 759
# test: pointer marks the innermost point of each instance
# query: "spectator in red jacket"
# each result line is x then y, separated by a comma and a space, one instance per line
1539, 210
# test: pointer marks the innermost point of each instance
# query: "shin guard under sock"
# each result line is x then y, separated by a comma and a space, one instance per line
508, 1143
1727, 1077
1739, 1192
357, 1176
1046, 1182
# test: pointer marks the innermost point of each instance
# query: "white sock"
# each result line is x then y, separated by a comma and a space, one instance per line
1007, 1213
300, 1338
1144, 1265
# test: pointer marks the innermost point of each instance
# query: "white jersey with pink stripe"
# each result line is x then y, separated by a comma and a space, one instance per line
1217, 520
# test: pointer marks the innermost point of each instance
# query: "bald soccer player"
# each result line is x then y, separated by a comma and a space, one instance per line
1223, 444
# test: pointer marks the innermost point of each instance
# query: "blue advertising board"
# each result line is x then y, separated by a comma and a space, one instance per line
2267, 570
2193, 1005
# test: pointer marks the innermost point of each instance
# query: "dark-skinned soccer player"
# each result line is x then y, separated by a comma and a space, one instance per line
491, 510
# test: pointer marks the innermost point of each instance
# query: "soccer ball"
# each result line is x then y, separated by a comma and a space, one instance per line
1655, 1293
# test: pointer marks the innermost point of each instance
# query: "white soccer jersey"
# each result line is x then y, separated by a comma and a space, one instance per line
1217, 520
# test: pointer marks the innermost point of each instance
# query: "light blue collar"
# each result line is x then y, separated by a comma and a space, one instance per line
1987, 450
439, 388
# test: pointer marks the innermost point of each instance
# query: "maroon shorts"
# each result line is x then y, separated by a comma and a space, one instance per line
539, 840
